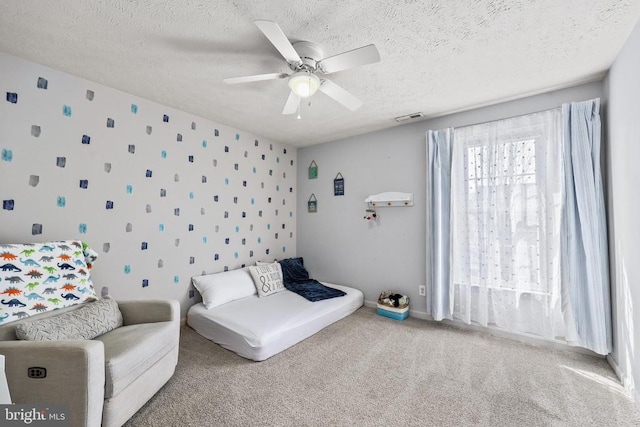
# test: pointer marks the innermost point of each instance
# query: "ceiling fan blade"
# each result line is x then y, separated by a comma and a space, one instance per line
293, 102
339, 94
275, 35
353, 58
256, 78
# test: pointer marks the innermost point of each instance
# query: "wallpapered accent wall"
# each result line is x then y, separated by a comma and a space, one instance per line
160, 194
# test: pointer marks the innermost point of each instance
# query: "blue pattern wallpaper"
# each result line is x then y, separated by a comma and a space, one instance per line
160, 194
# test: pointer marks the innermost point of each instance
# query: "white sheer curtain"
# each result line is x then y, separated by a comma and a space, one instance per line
506, 195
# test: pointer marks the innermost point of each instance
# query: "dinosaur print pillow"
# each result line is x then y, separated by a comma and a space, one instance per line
39, 277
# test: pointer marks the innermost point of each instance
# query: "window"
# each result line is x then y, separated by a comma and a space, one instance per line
506, 206
516, 235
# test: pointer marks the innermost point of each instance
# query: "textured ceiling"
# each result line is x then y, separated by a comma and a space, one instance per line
438, 56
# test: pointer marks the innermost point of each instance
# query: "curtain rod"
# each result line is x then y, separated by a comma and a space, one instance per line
521, 115
505, 118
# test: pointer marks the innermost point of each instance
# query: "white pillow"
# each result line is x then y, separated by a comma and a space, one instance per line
221, 288
267, 278
272, 262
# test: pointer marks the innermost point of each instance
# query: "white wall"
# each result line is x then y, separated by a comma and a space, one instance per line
253, 179
339, 246
623, 176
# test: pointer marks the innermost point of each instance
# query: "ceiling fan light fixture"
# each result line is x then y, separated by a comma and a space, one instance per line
304, 84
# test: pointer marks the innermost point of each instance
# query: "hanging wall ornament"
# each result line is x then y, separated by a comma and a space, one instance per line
312, 204
371, 215
338, 185
313, 170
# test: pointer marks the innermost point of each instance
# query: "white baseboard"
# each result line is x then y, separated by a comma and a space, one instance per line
615, 367
419, 315
373, 304
628, 386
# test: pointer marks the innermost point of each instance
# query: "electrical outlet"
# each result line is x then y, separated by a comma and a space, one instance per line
191, 293
422, 290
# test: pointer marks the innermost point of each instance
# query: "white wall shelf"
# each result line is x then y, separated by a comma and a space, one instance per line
390, 199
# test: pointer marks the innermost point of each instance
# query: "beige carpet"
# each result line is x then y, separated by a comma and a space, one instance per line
368, 370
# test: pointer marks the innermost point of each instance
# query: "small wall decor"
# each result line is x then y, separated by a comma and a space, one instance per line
338, 185
370, 215
312, 204
313, 170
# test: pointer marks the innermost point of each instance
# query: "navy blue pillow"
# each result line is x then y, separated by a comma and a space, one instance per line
293, 270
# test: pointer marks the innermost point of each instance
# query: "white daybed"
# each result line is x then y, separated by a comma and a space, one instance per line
259, 327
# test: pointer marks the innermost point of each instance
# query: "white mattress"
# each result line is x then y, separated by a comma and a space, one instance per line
257, 328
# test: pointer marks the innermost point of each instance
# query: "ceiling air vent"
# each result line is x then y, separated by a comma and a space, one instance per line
408, 117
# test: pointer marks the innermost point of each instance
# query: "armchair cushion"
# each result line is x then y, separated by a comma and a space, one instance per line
91, 320
131, 350
149, 311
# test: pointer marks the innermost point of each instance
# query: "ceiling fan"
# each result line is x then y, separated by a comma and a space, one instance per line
308, 65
